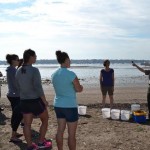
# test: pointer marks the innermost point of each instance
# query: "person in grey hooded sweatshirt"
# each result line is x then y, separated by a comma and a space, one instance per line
13, 95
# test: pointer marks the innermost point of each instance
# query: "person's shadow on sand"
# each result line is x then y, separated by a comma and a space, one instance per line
22, 145
86, 116
35, 137
2, 118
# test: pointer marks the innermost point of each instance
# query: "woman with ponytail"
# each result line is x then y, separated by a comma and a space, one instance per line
33, 101
13, 95
66, 84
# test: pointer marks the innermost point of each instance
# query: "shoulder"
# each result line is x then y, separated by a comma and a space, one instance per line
112, 70
55, 72
34, 69
11, 69
102, 70
7, 69
35, 72
71, 72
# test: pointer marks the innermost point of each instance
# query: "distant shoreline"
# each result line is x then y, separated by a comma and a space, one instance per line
86, 61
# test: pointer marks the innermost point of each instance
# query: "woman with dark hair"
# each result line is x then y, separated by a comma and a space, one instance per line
13, 95
20, 63
107, 82
66, 84
33, 101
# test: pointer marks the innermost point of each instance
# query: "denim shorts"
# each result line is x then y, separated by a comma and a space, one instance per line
70, 114
34, 106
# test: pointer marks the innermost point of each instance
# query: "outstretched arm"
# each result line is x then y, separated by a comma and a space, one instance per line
139, 68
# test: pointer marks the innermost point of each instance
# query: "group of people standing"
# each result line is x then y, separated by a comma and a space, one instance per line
27, 98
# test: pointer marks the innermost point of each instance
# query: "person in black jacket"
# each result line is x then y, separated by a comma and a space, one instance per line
147, 72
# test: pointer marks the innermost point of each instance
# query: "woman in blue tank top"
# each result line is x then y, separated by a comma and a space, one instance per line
107, 83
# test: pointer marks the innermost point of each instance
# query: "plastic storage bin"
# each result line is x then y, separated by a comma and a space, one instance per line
139, 116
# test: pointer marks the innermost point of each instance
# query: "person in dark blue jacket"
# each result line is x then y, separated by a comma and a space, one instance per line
107, 83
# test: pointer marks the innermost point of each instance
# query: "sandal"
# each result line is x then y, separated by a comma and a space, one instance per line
15, 140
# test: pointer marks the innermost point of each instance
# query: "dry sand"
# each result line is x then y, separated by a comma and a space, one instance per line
94, 132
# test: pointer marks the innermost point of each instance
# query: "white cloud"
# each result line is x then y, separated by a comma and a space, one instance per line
11, 1
79, 26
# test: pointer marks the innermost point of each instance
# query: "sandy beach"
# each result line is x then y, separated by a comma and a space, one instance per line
94, 132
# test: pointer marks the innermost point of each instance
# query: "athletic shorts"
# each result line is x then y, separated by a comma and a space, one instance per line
70, 114
33, 106
107, 89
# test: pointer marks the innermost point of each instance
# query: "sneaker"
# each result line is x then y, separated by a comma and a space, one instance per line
45, 144
32, 147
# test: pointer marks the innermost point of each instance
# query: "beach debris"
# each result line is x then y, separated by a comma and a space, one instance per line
46, 81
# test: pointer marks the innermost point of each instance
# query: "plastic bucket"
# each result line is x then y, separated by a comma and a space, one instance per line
135, 107
82, 110
139, 116
106, 112
115, 114
125, 115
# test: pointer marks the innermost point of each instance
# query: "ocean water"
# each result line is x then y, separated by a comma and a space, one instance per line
124, 73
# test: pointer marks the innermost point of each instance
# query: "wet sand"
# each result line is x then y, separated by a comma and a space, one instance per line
94, 132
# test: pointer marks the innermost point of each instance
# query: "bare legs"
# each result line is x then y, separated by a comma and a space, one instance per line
44, 125
28, 118
72, 126
111, 101
72, 135
60, 132
104, 101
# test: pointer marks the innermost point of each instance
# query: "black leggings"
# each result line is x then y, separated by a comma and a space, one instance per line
16, 112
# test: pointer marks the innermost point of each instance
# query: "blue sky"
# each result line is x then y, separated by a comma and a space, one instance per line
86, 29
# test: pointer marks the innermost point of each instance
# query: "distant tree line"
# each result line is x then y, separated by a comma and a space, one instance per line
84, 61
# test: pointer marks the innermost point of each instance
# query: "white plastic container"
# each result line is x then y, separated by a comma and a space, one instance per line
115, 114
135, 107
82, 110
106, 112
125, 115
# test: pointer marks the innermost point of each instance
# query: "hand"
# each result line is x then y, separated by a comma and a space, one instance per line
133, 64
